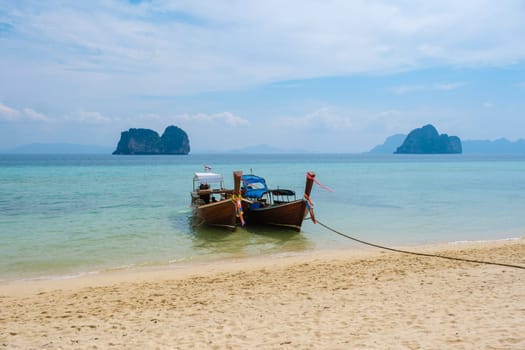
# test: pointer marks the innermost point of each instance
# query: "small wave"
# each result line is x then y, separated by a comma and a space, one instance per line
487, 240
179, 260
58, 277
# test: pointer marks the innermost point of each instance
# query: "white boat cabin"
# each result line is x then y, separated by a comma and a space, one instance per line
208, 188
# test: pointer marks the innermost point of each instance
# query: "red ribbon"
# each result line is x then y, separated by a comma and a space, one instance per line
318, 183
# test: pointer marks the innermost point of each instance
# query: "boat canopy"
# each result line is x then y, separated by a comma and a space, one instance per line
207, 178
282, 192
254, 186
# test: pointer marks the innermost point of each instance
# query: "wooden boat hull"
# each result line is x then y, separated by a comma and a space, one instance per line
286, 215
280, 213
221, 214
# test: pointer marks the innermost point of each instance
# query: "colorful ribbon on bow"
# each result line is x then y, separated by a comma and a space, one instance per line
310, 177
310, 207
237, 200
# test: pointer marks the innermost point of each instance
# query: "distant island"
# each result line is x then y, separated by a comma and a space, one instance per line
390, 145
499, 146
427, 140
174, 140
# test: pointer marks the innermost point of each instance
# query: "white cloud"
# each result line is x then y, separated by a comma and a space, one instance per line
192, 46
88, 117
33, 115
325, 117
389, 113
9, 114
223, 118
117, 58
365, 123
448, 86
405, 89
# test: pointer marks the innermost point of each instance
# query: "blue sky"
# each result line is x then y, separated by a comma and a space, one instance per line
325, 76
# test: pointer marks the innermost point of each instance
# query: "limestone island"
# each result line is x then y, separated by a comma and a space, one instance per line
174, 140
427, 140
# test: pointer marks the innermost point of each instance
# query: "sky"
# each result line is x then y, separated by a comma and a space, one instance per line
320, 76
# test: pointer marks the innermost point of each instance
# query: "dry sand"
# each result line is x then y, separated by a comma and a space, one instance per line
325, 300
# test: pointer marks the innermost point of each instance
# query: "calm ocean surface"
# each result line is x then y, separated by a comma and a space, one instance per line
64, 215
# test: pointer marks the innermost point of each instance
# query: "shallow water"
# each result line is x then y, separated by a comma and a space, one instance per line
68, 214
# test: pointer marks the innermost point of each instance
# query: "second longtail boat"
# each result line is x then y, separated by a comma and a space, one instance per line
278, 207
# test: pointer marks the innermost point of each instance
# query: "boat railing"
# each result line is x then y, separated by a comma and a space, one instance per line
214, 191
281, 196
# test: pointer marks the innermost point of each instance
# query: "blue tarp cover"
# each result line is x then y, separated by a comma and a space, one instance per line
254, 186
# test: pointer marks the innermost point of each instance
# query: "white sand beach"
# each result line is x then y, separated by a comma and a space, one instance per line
352, 299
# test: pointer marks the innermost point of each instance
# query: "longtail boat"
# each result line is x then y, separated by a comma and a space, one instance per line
213, 204
277, 207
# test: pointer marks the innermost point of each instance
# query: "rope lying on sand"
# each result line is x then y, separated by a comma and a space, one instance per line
419, 254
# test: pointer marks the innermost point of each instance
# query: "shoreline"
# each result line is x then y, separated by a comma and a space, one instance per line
359, 298
197, 266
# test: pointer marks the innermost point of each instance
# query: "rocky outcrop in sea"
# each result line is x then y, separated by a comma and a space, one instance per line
174, 140
427, 140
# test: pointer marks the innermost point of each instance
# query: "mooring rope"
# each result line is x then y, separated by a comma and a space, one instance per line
417, 253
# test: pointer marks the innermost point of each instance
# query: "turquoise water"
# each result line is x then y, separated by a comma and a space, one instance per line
63, 215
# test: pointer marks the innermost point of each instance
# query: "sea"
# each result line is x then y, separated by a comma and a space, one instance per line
63, 216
